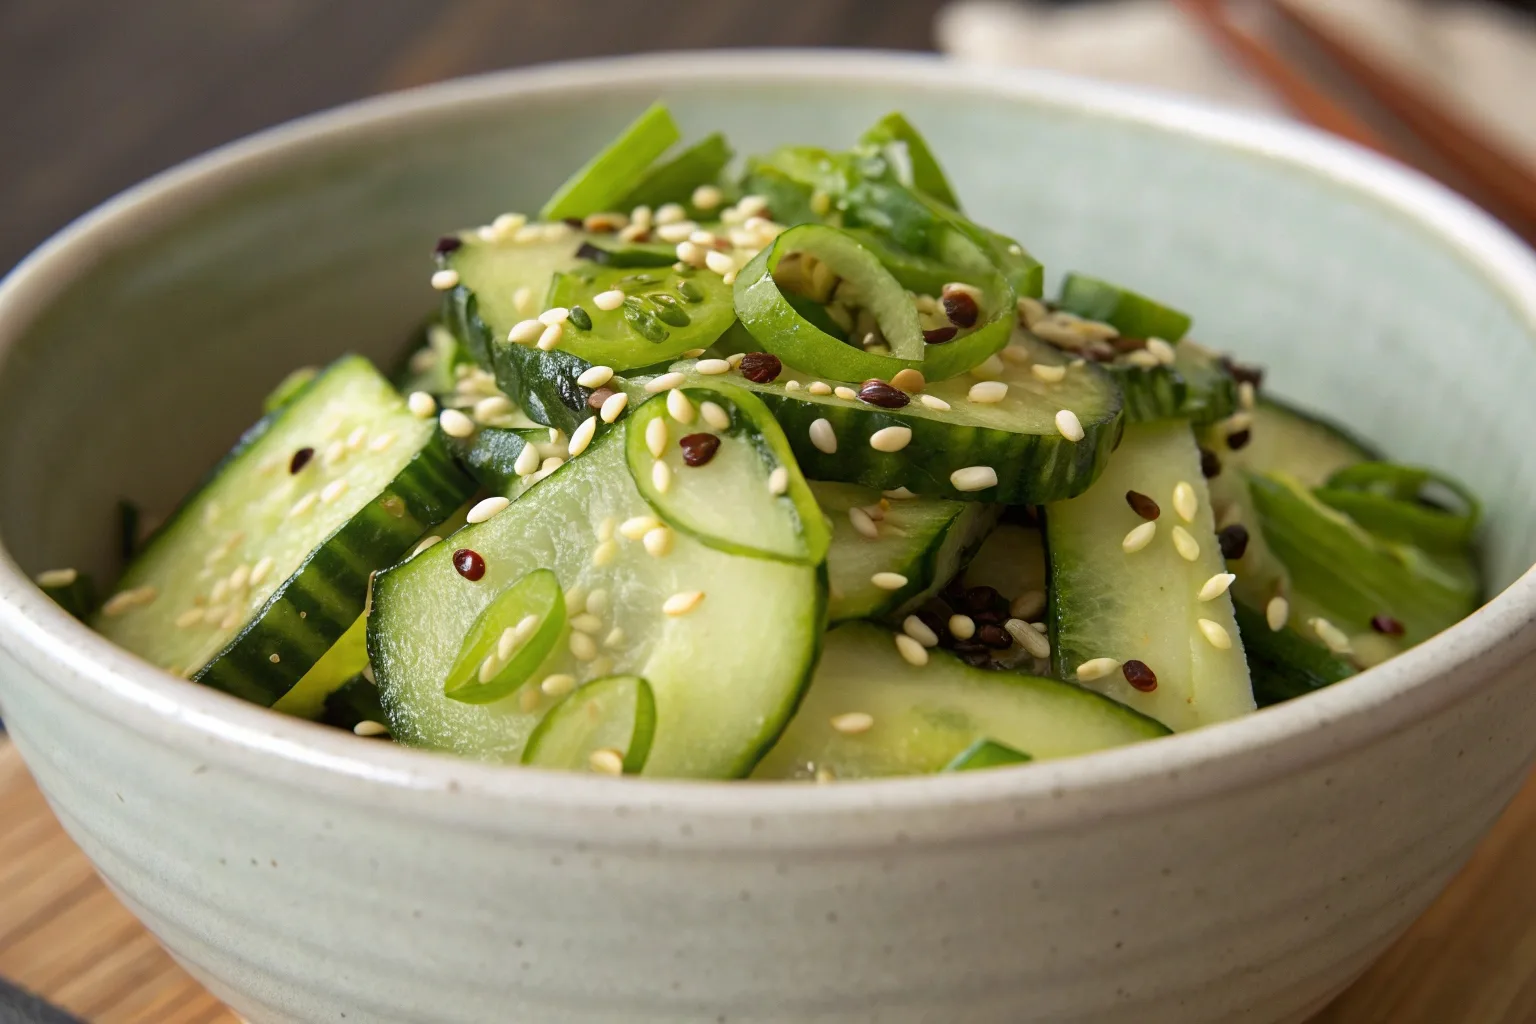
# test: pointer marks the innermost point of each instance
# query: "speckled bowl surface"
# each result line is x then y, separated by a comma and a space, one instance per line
1241, 873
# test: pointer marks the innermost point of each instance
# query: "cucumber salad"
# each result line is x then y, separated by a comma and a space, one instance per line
783, 468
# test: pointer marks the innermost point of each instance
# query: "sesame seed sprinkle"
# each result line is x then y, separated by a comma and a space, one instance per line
1276, 613
863, 524
1186, 545
712, 367
614, 638
935, 403
260, 570
682, 602
1216, 586
1034, 641
445, 280
1216, 634
527, 462
333, 491
582, 435
57, 577
455, 423
988, 392
890, 439
613, 406
126, 600
1096, 668
817, 387
661, 476
189, 618
778, 481
492, 408
422, 405
888, 580
679, 407
918, 630
595, 376
637, 527
609, 300
851, 723
665, 382
1332, 636
823, 436
656, 437
558, 685
382, 442
426, 542
605, 553
715, 415
899, 494
525, 331
486, 509
1048, 373
973, 478
719, 262
1069, 426
550, 337
368, 728
1139, 537
1185, 503
962, 627
1161, 350
658, 542
847, 394
606, 761
583, 647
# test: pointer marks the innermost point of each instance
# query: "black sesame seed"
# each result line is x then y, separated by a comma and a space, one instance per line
1233, 541
446, 245
761, 367
995, 637
1210, 464
886, 396
698, 449
300, 459
961, 309
939, 335
1139, 675
1142, 505
596, 399
1239, 439
580, 319
1386, 624
469, 564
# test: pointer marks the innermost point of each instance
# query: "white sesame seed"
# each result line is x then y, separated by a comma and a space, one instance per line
1069, 425
909, 380
1049, 374
1216, 633
691, 253
554, 315
583, 647
525, 331
818, 387
712, 367
606, 761
492, 408
707, 197
899, 494
1184, 501
1141, 359
489, 667
863, 524
455, 423
935, 403
988, 392
605, 553
1096, 668
333, 490
719, 262
823, 436
522, 299
260, 570
595, 376
613, 406
852, 723
1138, 538
1187, 547
1335, 638
665, 382
847, 394
678, 231
682, 602
751, 205
582, 435
973, 478
124, 600
656, 436
1277, 613
658, 542
888, 580
638, 526
189, 618
661, 477
715, 415
575, 599
962, 627
558, 685
1246, 396
426, 542
443, 280
550, 337
1161, 351
1034, 641
1216, 586
368, 728
792, 385
506, 643
527, 462
383, 441
422, 405
694, 353
487, 508
778, 480
239, 578
551, 464
680, 408
918, 630
57, 577
334, 453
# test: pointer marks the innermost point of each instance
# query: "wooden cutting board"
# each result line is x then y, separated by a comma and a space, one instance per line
1470, 960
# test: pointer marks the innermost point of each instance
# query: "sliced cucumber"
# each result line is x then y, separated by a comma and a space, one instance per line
347, 657
1131, 313
607, 724
1144, 604
1195, 387
726, 670
1284, 663
1303, 446
925, 717
923, 540
1017, 438
267, 565
986, 754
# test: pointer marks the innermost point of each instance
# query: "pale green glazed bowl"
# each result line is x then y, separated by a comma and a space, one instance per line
1245, 872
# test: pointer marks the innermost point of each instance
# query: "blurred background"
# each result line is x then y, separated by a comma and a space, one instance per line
106, 93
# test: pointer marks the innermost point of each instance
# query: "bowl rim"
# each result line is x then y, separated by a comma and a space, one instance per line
1305, 732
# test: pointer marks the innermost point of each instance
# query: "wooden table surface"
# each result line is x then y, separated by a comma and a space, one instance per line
104, 93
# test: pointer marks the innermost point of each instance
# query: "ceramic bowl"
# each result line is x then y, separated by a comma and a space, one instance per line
1240, 873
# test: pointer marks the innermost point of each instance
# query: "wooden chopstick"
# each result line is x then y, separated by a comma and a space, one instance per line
1507, 186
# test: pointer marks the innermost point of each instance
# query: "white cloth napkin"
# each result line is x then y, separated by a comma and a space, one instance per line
1479, 57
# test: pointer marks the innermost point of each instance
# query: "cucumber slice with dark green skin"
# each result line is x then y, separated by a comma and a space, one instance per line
618, 169
1195, 387
356, 700
1283, 663
492, 456
924, 717
608, 253
924, 540
578, 524
273, 554
1310, 449
288, 388
1016, 438
1145, 604
699, 443
607, 723
986, 754
675, 180
347, 657
71, 590
1131, 313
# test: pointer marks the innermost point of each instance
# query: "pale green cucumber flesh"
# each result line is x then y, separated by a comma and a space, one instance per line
615, 715
923, 717
1144, 605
